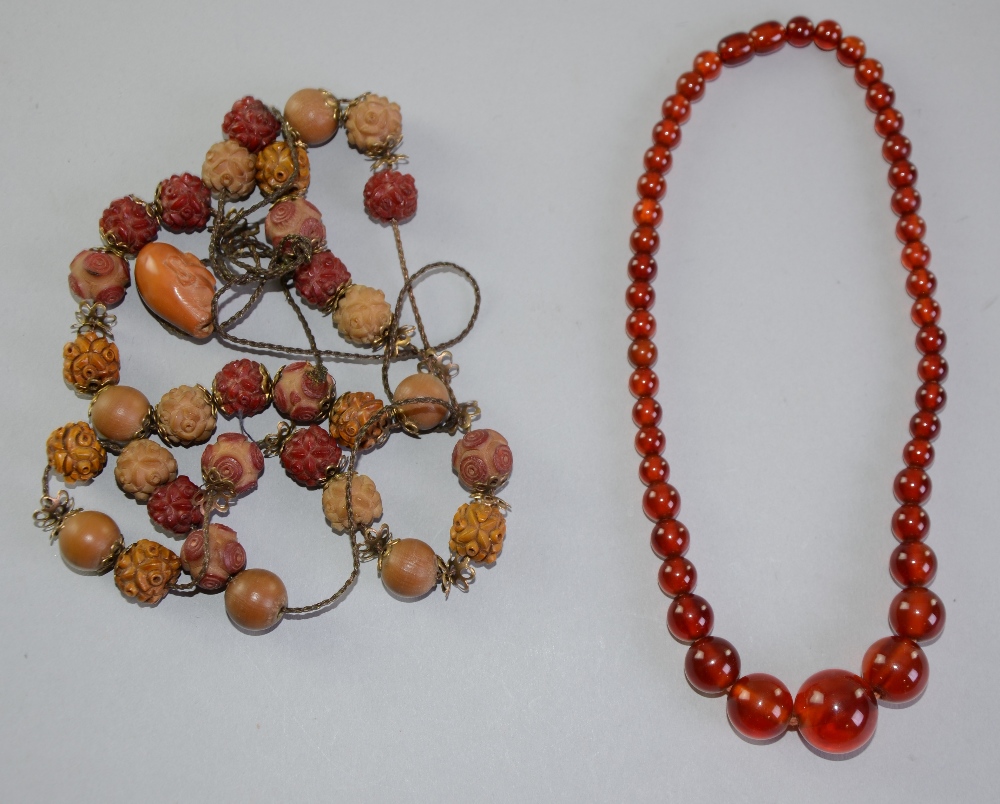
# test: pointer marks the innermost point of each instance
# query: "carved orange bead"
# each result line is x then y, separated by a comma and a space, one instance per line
176, 287
146, 570
90, 362
75, 453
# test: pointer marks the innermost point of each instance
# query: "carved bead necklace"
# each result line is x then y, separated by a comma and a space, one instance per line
264, 151
835, 711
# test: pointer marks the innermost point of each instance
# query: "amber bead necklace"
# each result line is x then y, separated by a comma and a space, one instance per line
835, 711
266, 151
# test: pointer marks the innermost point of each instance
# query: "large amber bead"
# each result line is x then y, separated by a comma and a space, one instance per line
478, 531
90, 362
75, 453
176, 287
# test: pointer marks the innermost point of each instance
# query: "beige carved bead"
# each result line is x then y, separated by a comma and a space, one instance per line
146, 570
230, 168
212, 555
120, 413
426, 415
362, 314
275, 167
482, 460
409, 569
143, 467
185, 416
350, 413
75, 453
365, 502
90, 362
374, 126
478, 531
312, 113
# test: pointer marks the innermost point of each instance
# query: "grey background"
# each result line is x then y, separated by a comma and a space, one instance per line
787, 371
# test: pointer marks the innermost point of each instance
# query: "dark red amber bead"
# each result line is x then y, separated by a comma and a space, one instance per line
827, 35
837, 711
933, 367
658, 159
652, 185
915, 255
888, 121
640, 296
643, 382
910, 523
879, 96
677, 576
896, 668
868, 72
642, 353
931, 396
708, 65
918, 453
646, 212
644, 240
911, 228
912, 486
921, 282
767, 37
925, 424
759, 706
650, 441
669, 538
736, 49
931, 339
712, 665
896, 147
646, 412
667, 133
917, 613
690, 618
654, 469
640, 324
661, 501
676, 107
691, 85
800, 31
902, 173
913, 564
850, 51
905, 200
642, 268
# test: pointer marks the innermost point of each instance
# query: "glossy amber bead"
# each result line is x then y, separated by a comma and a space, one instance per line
646, 412
667, 133
767, 37
712, 665
911, 228
647, 213
691, 86
661, 501
690, 618
658, 159
643, 382
837, 711
925, 424
931, 396
799, 31
642, 353
895, 147
759, 706
640, 296
921, 282
915, 255
932, 367
677, 576
902, 173
850, 51
644, 240
736, 49
918, 453
654, 469
868, 72
651, 185
931, 339
912, 486
888, 121
896, 668
676, 107
910, 523
669, 538
708, 65
640, 324
879, 96
913, 564
642, 268
827, 35
917, 613
650, 441
905, 200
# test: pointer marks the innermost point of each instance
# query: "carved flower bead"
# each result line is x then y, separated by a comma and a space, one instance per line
294, 217
302, 392
185, 416
482, 460
350, 413
229, 168
374, 126
242, 388
478, 531
185, 203
127, 224
362, 315
365, 502
90, 362
75, 453
319, 279
144, 466
99, 276
176, 506
275, 167
233, 458
211, 556
251, 124
146, 570
308, 454
391, 195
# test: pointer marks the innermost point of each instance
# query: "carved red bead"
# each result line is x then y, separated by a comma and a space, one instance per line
308, 454
391, 195
127, 224
185, 203
319, 279
176, 506
251, 124
242, 388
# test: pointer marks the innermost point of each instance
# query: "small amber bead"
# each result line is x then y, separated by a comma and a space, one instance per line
888, 121
641, 324
925, 424
868, 72
640, 296
651, 185
911, 228
896, 668
647, 213
646, 412
932, 367
650, 441
799, 31
667, 133
658, 159
669, 538
767, 37
913, 564
661, 501
642, 353
712, 665
931, 396
837, 711
691, 85
644, 240
905, 200
912, 486
910, 523
827, 35
921, 282
902, 173
896, 147
654, 469
918, 453
256, 599
915, 255
931, 339
676, 107
690, 618
677, 576
644, 382
850, 51
759, 706
736, 49
708, 65
879, 96
917, 613
642, 268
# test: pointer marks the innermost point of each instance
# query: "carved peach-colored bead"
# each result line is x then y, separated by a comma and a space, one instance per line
230, 168
425, 415
409, 569
185, 416
350, 413
294, 217
311, 112
482, 460
144, 466
366, 502
256, 599
212, 555
90, 362
478, 531
275, 167
302, 392
362, 314
120, 413
176, 287
146, 570
98, 276
89, 541
233, 458
75, 453
374, 126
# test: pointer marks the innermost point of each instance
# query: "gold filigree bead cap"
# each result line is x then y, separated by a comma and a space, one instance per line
313, 114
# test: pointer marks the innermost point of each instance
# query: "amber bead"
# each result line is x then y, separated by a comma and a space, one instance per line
669, 538
642, 268
759, 706
658, 159
676, 107
933, 367
827, 36
836, 711
918, 453
912, 485
712, 665
409, 569
642, 353
426, 415
640, 296
913, 564
925, 424
896, 668
640, 324
690, 618
917, 613
767, 37
650, 441
644, 240
878, 97
643, 382
691, 85
736, 49
888, 121
910, 523
921, 282
667, 133
647, 213
911, 228
850, 51
661, 501
677, 576
120, 413
708, 65
654, 469
799, 31
652, 185
646, 412
868, 72
89, 541
902, 173
931, 396
256, 599
896, 147
931, 339
915, 255
905, 200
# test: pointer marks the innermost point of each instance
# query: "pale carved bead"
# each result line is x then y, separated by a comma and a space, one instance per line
144, 466
302, 392
374, 126
230, 168
185, 416
482, 460
212, 555
98, 276
294, 217
365, 502
233, 458
362, 314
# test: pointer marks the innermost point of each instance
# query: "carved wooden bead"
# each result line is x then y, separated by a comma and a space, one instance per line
90, 362
146, 570
366, 502
211, 556
374, 126
390, 195
233, 458
185, 416
120, 413
312, 113
98, 276
482, 460
425, 415
319, 280
75, 453
308, 454
302, 392
185, 203
478, 531
275, 167
350, 413
176, 506
242, 388
294, 217
89, 541
362, 314
230, 168
176, 287
128, 224
409, 569
256, 599
251, 124
144, 466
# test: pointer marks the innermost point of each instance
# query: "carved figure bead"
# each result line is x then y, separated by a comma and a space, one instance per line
127, 224
146, 570
365, 502
185, 203
234, 458
211, 556
90, 362
176, 506
294, 217
251, 124
242, 388
230, 168
391, 195
176, 287
185, 416
98, 276
350, 413
482, 460
319, 279
308, 454
362, 315
75, 453
302, 392
477, 531
374, 126
144, 466
275, 167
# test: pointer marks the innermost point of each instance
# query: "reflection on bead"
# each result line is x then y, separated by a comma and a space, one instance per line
654, 469
650, 441
925, 311
913, 564
646, 213
837, 711
916, 613
878, 97
640, 295
932, 367
931, 396
667, 133
677, 107
759, 706
669, 538
850, 51
888, 121
658, 159
642, 353
644, 382
642, 268
912, 486
767, 37
712, 665
827, 35
915, 255
896, 668
644, 240
910, 523
800, 31
651, 185
691, 86
690, 618
902, 173
640, 324
925, 424
646, 412
708, 65
918, 453
905, 200
661, 501
677, 576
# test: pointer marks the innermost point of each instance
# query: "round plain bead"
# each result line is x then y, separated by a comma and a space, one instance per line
640, 295
905, 200
896, 668
676, 107
918, 453
913, 564
896, 147
931, 396
837, 711
878, 97
690, 618
932, 367
669, 538
911, 228
759, 706
677, 576
931, 339
644, 382
256, 599
644, 240
921, 282
868, 72
651, 185
850, 51
642, 353
708, 65
646, 212
910, 523
642, 268
917, 613
691, 85
119, 413
310, 112
640, 324
650, 441
888, 121
799, 31
925, 311
902, 173
667, 133
425, 415
915, 255
925, 424
712, 665
410, 568
658, 159
88, 540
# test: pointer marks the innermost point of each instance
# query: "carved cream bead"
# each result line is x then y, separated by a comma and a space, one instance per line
230, 168
374, 126
366, 502
362, 314
185, 416
143, 467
